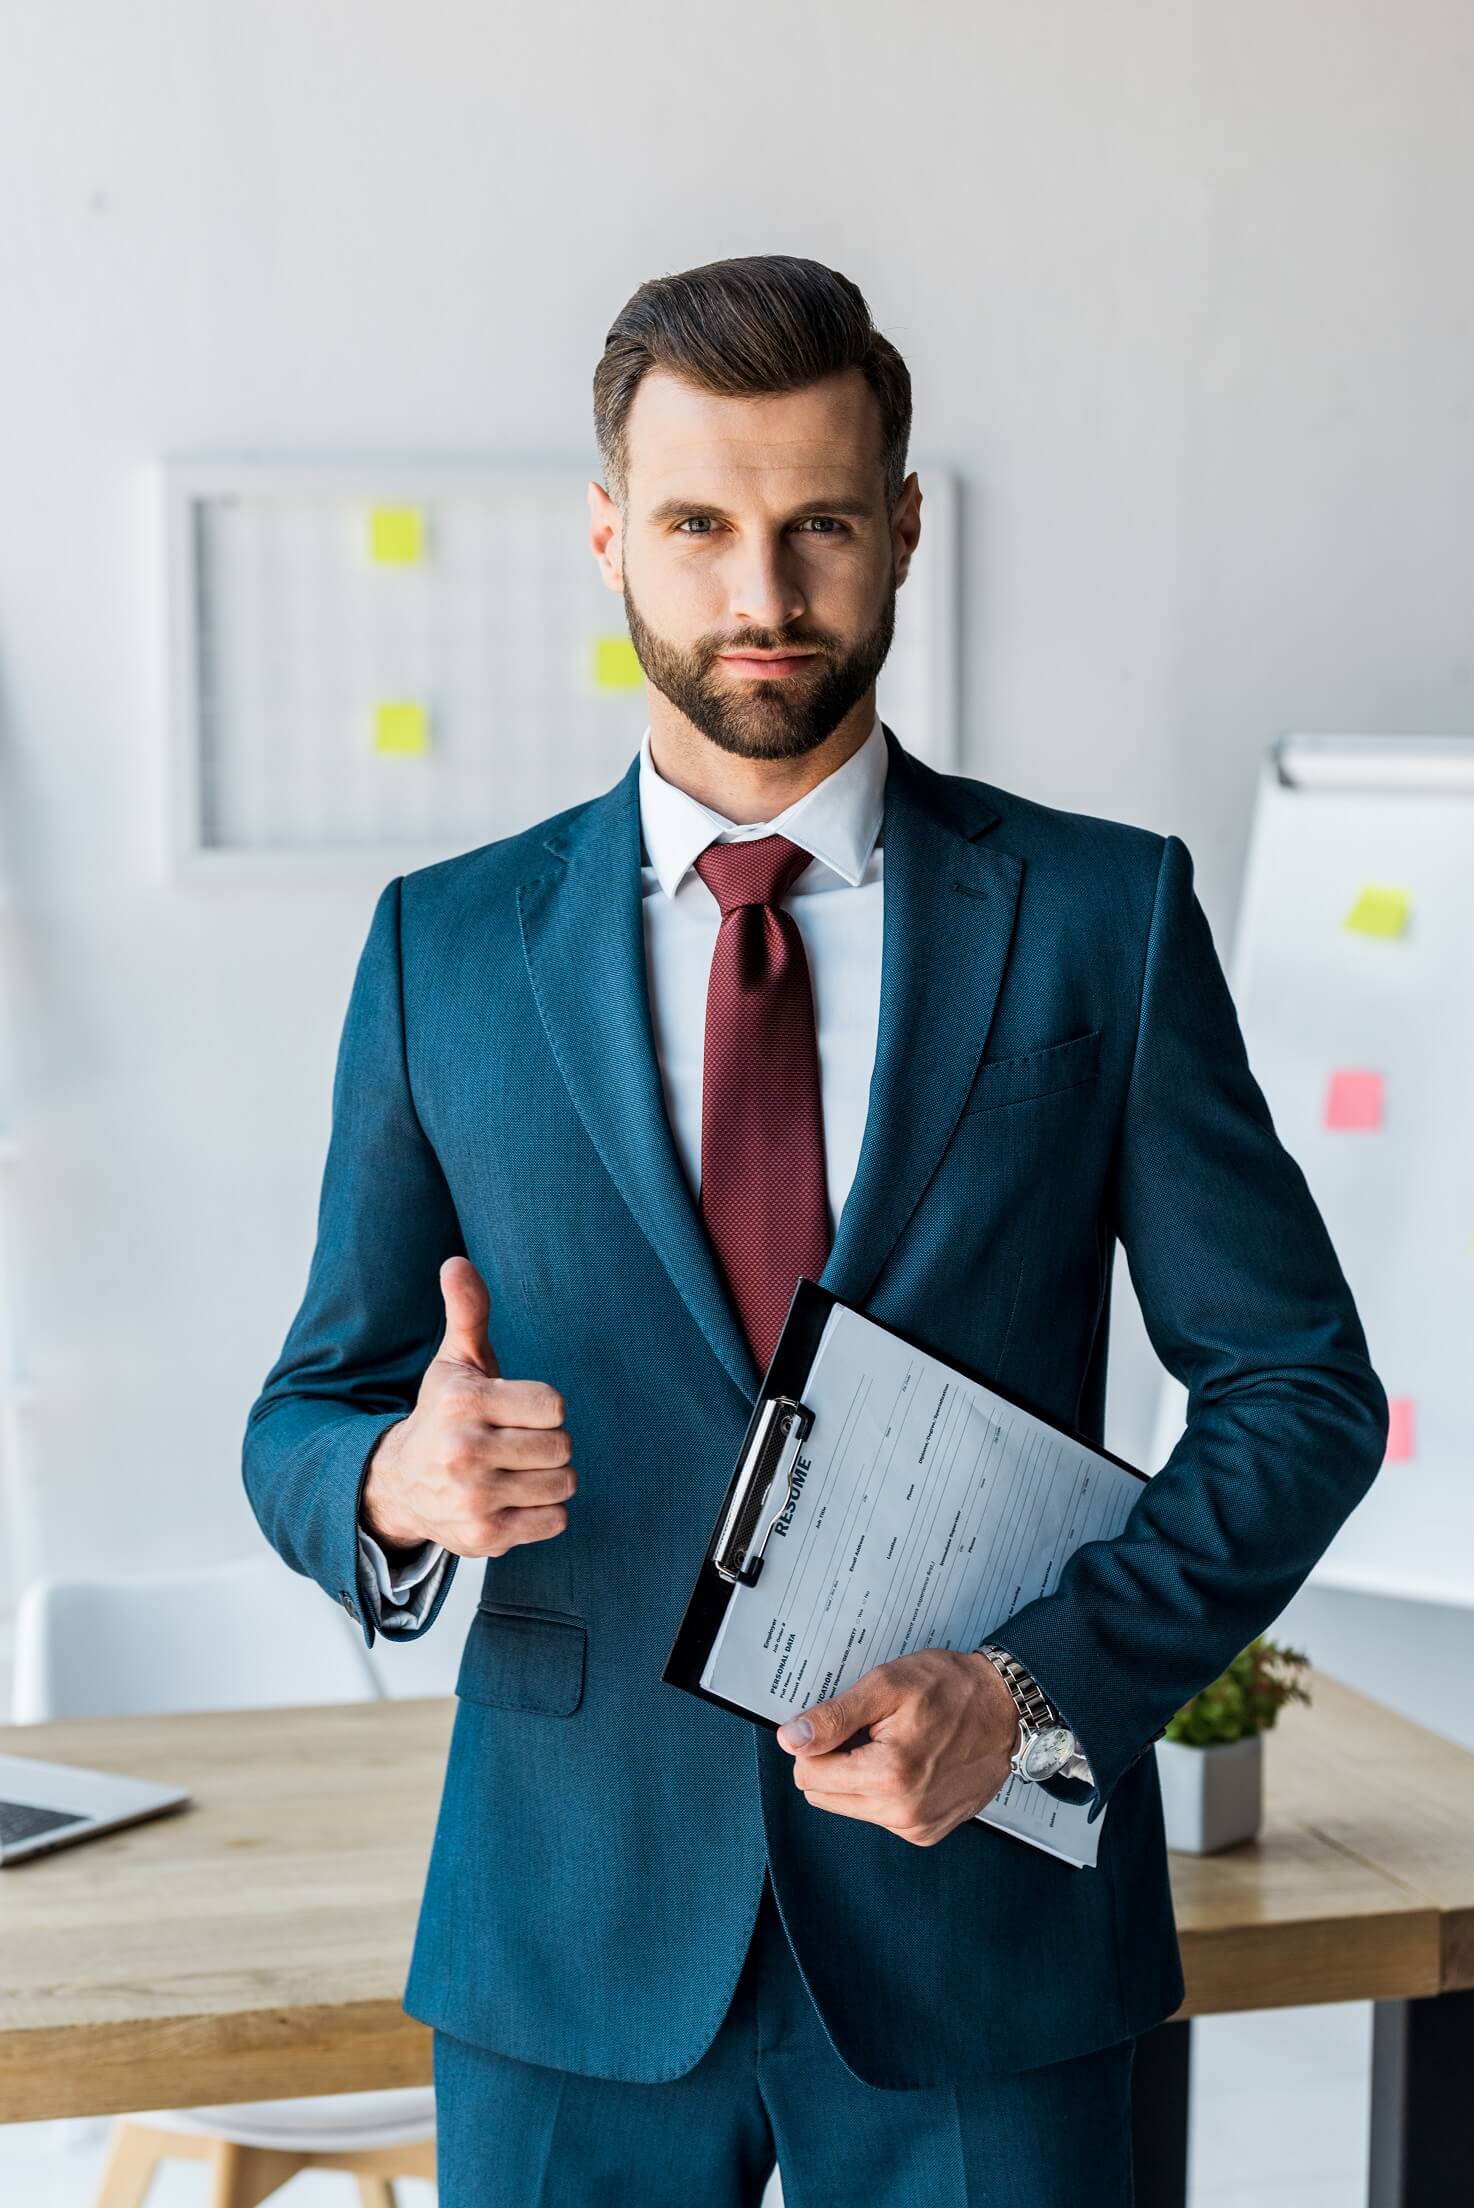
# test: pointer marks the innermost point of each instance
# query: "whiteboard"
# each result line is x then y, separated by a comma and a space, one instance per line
375, 664
1335, 816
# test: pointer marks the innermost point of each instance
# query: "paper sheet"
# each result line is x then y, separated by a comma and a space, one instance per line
1354, 1099
397, 536
1381, 908
1400, 1423
616, 664
401, 727
930, 1509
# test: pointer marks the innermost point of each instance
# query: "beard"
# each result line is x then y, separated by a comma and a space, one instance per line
782, 719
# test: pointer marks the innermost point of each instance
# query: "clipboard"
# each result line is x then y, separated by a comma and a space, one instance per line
778, 1426
761, 1487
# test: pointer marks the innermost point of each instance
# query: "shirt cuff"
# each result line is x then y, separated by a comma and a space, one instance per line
403, 1598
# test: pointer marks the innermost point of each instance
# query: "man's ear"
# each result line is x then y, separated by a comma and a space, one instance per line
906, 525
606, 536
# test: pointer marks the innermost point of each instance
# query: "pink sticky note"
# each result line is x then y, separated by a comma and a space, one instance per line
1399, 1429
1354, 1100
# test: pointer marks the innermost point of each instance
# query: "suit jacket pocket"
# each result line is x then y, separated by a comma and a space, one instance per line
524, 1660
1031, 1073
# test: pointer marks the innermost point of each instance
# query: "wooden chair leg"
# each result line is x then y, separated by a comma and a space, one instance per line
132, 2158
240, 2177
415, 2158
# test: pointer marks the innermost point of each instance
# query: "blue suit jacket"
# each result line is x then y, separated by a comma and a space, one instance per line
1059, 1066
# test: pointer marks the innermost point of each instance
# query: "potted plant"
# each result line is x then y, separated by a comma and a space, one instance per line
1210, 1760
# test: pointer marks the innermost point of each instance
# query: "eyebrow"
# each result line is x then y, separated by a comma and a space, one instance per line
680, 509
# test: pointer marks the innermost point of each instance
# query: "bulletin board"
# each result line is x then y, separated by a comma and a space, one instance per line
1351, 974
379, 663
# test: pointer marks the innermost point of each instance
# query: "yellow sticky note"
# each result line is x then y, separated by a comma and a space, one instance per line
615, 664
397, 535
1381, 908
401, 726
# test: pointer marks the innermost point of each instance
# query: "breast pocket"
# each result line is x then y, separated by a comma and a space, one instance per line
524, 1660
1031, 1073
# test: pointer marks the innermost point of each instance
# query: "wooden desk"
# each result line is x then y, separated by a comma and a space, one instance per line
254, 1945
250, 1946
1359, 1888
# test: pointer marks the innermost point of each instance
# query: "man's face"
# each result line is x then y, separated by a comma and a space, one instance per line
758, 525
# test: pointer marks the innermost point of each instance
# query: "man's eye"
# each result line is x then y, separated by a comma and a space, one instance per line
831, 524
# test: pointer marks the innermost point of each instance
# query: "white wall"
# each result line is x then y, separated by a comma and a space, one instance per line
1187, 293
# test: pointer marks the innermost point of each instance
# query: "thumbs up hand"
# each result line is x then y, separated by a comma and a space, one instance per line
481, 1463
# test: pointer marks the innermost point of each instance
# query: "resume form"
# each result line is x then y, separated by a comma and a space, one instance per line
923, 1510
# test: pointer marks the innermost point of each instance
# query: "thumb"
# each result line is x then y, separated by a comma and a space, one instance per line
467, 1310
829, 1724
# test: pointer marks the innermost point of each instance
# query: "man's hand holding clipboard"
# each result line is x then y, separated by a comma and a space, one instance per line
936, 1730
887, 1513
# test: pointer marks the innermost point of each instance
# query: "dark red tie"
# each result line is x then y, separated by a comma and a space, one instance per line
763, 1192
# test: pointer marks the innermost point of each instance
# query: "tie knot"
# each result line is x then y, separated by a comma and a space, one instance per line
756, 870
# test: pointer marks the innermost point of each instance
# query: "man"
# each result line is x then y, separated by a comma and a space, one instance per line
785, 1001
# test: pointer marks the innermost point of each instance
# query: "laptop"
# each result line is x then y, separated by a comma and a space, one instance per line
47, 1805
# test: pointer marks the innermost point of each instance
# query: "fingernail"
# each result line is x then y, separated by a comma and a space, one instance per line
795, 1732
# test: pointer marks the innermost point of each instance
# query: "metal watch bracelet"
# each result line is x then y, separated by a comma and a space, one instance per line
1029, 1699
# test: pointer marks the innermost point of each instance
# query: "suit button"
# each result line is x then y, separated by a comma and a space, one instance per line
348, 1603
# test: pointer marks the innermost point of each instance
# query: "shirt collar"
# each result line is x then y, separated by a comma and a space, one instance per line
838, 820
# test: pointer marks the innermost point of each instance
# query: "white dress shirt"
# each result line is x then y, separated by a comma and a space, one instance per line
836, 903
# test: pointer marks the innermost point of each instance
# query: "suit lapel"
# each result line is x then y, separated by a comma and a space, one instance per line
949, 908
583, 936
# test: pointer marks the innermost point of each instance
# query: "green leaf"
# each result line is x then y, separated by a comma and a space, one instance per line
1244, 1699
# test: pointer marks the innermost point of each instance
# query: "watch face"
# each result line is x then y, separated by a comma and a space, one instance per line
1047, 1751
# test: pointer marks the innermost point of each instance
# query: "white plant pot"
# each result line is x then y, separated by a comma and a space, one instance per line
1211, 1797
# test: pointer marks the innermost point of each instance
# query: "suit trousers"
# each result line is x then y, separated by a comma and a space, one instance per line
770, 2087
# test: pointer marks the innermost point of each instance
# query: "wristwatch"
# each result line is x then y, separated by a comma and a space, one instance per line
1046, 1747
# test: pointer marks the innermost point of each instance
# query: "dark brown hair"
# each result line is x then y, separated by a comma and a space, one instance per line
766, 322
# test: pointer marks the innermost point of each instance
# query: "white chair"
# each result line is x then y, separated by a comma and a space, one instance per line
251, 1635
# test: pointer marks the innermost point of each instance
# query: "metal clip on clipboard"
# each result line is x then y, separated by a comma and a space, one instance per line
766, 1471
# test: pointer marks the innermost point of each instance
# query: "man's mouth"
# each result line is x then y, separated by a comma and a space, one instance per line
760, 666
